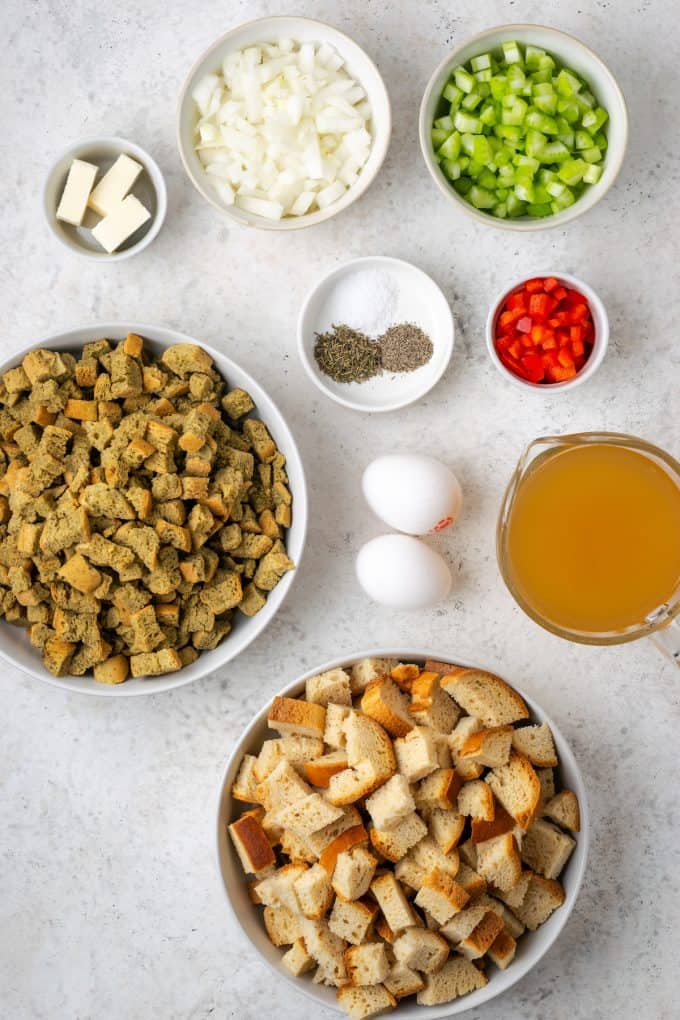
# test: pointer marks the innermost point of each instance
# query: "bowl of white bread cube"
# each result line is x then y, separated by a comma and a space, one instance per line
401, 832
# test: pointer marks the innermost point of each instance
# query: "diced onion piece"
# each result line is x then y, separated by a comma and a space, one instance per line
260, 206
302, 203
330, 194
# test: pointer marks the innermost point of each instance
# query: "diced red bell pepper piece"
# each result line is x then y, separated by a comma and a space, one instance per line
517, 300
565, 358
562, 374
533, 286
579, 313
550, 343
538, 333
550, 283
514, 366
560, 293
540, 305
509, 318
534, 367
503, 342
524, 324
515, 349
577, 348
576, 333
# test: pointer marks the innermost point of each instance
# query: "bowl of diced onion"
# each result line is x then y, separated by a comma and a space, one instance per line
283, 123
523, 127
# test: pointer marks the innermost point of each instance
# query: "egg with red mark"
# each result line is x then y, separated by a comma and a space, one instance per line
412, 492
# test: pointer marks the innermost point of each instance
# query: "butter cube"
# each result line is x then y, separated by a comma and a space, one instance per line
114, 185
74, 198
120, 223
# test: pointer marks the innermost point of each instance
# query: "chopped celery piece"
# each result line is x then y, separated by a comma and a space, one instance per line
499, 87
545, 102
452, 169
541, 122
487, 180
532, 56
511, 53
515, 206
462, 185
481, 198
452, 94
481, 63
477, 147
554, 152
539, 209
467, 124
464, 80
571, 171
524, 191
593, 120
451, 147
535, 143
583, 140
592, 174
516, 78
521, 135
567, 83
487, 114
472, 100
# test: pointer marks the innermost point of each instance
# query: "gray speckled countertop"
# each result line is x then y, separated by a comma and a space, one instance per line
111, 906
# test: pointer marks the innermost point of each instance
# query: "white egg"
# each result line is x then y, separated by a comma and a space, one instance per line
402, 572
412, 492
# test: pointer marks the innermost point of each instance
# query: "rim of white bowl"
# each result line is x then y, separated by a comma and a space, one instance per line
526, 225
353, 193
520, 967
77, 151
600, 345
315, 375
169, 681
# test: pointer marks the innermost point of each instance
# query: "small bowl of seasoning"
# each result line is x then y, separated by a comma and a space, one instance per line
375, 334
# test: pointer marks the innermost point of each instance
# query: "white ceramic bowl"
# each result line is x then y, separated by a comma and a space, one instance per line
530, 948
420, 301
600, 322
357, 63
149, 188
571, 52
14, 645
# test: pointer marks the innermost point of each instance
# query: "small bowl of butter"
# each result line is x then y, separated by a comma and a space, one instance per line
105, 199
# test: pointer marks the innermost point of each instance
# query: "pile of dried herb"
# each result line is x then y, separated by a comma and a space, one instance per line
346, 355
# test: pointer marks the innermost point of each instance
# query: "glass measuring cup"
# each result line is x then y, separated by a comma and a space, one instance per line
657, 621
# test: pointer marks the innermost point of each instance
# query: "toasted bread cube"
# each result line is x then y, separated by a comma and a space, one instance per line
320, 771
402, 981
476, 799
518, 788
439, 790
389, 706
463, 923
354, 870
391, 803
334, 734
563, 808
394, 843
314, 892
546, 849
297, 959
345, 841
543, 896
432, 706
367, 964
536, 743
366, 670
490, 747
393, 902
282, 787
278, 889
352, 920
282, 925
112, 671
481, 937
307, 815
441, 896
367, 1001
421, 950
457, 977
498, 861
293, 717
417, 754
446, 828
485, 696
332, 686
245, 784
502, 950
252, 846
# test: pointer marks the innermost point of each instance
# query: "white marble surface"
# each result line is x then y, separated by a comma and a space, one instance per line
111, 906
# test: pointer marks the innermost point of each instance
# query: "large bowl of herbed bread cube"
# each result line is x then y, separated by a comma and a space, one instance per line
153, 509
400, 832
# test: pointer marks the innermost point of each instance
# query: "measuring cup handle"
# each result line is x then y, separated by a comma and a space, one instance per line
667, 640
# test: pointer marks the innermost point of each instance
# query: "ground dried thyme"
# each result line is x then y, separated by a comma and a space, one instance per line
405, 348
346, 355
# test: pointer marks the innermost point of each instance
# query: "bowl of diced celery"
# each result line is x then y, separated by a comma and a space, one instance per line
524, 127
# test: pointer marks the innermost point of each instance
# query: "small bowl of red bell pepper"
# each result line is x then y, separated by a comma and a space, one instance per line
549, 332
